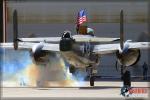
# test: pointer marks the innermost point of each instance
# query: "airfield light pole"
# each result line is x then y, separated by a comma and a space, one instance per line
1, 21
148, 21
4, 20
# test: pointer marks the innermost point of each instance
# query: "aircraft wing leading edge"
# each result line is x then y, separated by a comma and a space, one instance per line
112, 48
77, 39
26, 45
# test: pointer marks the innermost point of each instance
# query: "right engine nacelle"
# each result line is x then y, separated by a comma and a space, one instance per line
129, 58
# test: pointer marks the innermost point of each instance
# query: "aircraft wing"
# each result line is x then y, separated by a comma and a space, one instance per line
95, 39
6, 45
26, 45
41, 39
79, 38
112, 48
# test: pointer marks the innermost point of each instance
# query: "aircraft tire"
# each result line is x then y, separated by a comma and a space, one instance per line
126, 79
92, 81
72, 69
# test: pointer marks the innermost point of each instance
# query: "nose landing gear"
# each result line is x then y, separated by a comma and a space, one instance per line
92, 71
72, 69
92, 79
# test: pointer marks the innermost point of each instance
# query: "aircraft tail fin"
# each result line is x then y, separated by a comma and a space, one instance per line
81, 27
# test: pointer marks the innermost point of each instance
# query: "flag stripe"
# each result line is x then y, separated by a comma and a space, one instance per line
81, 17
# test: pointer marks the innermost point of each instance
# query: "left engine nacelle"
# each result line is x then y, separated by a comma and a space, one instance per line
39, 55
129, 58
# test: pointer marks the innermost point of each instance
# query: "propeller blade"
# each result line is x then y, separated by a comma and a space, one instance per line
15, 29
121, 30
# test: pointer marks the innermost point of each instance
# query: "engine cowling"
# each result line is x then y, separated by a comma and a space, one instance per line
129, 58
66, 42
38, 54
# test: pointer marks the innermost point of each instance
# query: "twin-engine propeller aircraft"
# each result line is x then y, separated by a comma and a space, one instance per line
82, 50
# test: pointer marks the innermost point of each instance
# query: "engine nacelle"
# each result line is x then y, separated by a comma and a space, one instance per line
66, 42
129, 58
38, 54
37, 48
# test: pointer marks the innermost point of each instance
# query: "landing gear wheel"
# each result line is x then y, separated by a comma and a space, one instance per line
92, 81
72, 69
91, 74
127, 79
125, 91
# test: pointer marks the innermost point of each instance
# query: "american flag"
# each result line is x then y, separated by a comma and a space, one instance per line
81, 17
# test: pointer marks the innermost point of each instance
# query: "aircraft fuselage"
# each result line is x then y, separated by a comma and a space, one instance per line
80, 55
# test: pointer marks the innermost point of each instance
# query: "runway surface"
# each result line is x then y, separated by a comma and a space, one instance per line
102, 89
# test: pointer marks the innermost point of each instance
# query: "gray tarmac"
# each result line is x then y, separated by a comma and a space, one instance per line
102, 90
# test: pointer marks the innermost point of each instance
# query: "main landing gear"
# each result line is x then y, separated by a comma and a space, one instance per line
92, 79
92, 72
126, 77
